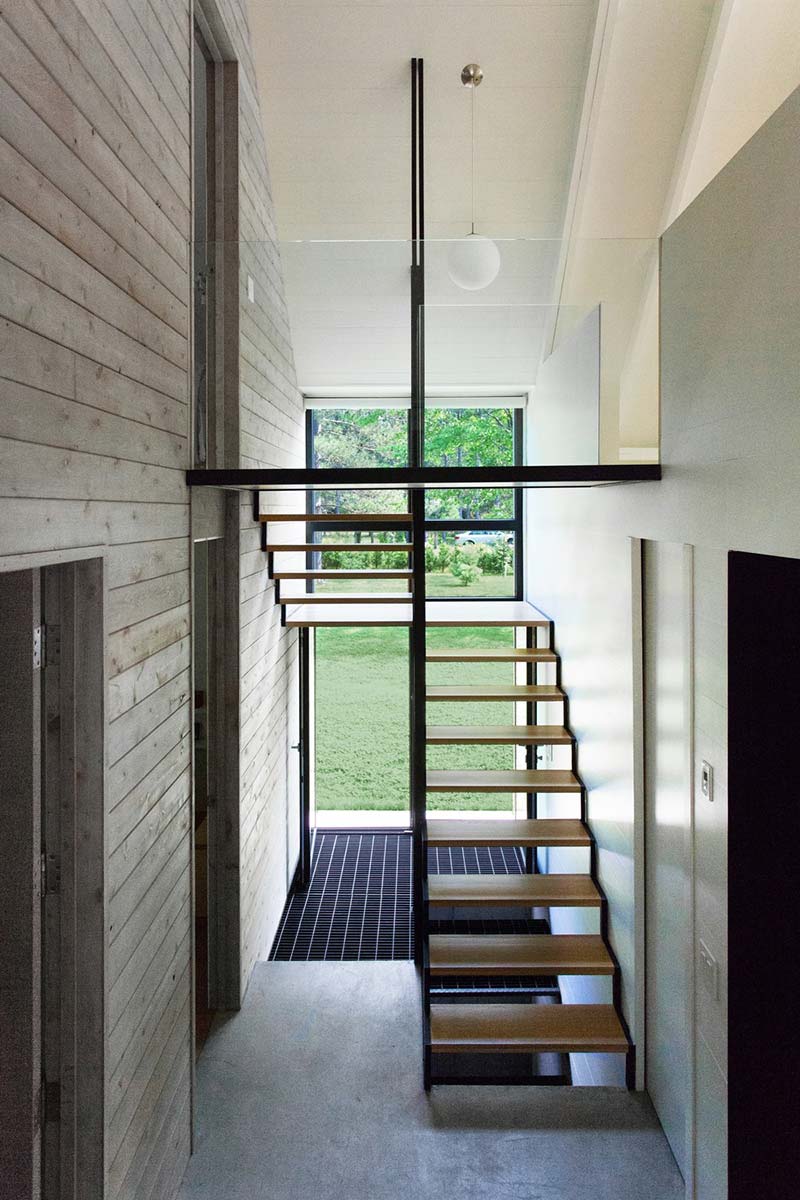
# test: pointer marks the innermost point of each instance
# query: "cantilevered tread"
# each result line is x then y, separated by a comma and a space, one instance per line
560, 831
503, 781
519, 954
528, 1028
495, 691
438, 614
313, 616
499, 654
476, 614
499, 891
499, 735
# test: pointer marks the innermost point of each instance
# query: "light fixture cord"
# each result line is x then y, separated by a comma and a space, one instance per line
473, 89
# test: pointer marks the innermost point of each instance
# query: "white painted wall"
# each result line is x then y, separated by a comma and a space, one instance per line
565, 405
753, 64
667, 605
645, 63
730, 362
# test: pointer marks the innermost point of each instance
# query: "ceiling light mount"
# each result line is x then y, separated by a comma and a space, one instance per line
473, 262
471, 75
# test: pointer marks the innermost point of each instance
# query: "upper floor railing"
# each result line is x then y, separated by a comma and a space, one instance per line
566, 330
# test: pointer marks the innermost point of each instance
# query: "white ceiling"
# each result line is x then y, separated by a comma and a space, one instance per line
335, 90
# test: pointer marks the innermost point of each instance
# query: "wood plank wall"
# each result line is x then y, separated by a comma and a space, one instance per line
271, 432
94, 439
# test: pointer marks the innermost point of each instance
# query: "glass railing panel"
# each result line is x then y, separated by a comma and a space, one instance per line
569, 329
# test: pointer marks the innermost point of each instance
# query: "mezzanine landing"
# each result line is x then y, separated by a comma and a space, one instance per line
439, 614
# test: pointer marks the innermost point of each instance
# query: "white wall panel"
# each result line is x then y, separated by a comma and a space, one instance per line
669, 935
731, 426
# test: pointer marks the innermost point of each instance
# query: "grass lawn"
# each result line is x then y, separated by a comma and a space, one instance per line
439, 584
362, 716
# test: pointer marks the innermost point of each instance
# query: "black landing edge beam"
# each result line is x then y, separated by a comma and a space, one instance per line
390, 478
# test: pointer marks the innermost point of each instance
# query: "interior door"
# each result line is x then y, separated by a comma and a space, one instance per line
20, 945
763, 847
668, 837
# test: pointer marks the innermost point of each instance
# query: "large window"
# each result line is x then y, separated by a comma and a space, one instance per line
471, 547
361, 730
473, 534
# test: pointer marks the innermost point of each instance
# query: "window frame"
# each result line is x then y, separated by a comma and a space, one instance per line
515, 524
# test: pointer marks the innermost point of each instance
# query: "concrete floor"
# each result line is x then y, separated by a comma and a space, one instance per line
313, 1092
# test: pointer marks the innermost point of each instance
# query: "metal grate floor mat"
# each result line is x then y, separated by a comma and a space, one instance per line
358, 903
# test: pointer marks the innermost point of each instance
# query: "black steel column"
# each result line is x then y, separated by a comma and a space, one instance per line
416, 458
531, 677
417, 722
305, 758
416, 424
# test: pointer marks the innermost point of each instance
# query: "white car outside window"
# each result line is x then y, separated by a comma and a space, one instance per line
483, 537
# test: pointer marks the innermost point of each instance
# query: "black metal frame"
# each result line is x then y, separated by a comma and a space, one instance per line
416, 425
514, 524
306, 718
396, 478
417, 722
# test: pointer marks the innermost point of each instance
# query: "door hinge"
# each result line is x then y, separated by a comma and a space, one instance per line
46, 646
38, 642
51, 874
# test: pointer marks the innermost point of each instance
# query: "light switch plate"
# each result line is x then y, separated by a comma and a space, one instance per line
709, 969
251, 289
707, 780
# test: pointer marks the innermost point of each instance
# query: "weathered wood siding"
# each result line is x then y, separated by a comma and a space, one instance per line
271, 433
94, 438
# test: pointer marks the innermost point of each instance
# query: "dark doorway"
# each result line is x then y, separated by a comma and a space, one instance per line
204, 250
763, 841
52, 953
206, 742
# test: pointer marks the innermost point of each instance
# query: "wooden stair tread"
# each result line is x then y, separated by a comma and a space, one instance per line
503, 781
573, 891
500, 654
347, 598
529, 1028
502, 735
345, 573
393, 547
339, 518
519, 953
495, 691
560, 831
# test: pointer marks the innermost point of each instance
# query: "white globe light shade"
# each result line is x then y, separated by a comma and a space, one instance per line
473, 262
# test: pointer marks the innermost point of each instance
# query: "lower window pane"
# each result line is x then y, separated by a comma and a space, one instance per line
362, 718
464, 757
475, 563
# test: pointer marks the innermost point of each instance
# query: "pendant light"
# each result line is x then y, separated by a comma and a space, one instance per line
474, 261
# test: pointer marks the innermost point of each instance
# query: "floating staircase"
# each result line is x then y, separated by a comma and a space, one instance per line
290, 573
490, 1031
485, 1033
